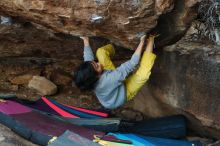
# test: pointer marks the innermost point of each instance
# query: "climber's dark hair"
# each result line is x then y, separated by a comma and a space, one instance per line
85, 76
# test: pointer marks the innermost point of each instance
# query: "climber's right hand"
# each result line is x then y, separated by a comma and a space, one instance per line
142, 39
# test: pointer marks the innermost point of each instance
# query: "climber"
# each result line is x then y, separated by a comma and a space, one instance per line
113, 86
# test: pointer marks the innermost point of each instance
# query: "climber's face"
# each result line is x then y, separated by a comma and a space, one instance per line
97, 66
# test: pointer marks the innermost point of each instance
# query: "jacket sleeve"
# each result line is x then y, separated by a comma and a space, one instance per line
88, 54
121, 72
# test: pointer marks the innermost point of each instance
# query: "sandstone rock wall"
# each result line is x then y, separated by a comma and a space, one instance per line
121, 21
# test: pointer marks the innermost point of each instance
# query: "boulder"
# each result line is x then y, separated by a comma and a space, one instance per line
42, 85
185, 80
185, 77
217, 143
9, 138
118, 20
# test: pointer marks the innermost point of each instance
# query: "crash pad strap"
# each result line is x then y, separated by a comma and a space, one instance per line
58, 110
88, 111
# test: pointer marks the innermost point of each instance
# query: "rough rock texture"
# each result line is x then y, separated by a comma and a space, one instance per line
42, 85
25, 50
217, 143
190, 83
9, 138
24, 78
121, 21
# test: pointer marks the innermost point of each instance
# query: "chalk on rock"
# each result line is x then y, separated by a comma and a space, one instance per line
96, 18
6, 20
140, 34
2, 138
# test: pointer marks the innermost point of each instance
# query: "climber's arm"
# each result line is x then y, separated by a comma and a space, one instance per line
138, 51
121, 72
87, 52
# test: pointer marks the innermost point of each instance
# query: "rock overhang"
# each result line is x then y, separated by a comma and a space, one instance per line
119, 21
